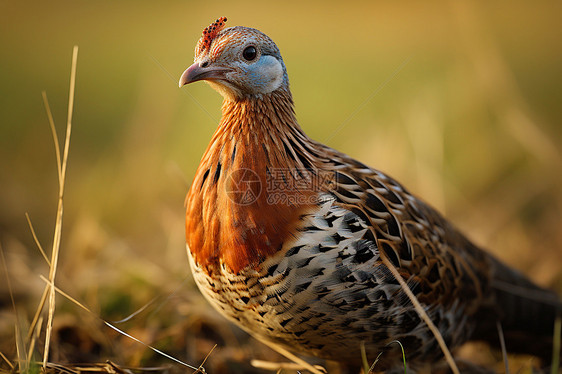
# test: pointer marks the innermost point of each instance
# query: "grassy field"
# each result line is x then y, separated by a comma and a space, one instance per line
461, 102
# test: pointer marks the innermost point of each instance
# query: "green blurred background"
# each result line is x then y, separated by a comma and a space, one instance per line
460, 101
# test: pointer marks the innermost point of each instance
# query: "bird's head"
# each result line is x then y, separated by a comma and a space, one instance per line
239, 62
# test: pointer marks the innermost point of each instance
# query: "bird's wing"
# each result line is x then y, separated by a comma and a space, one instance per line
433, 257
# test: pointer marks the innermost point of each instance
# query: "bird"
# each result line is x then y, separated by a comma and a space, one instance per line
302, 245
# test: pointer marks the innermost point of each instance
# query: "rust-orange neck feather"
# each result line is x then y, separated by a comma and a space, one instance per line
254, 137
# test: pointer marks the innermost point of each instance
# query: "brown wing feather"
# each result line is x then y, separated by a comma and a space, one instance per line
427, 250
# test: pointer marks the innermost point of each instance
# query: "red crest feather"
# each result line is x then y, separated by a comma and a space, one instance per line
210, 33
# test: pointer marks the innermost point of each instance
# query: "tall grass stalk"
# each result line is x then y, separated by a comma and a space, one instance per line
61, 167
423, 315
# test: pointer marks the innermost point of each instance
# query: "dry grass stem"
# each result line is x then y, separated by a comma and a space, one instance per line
201, 368
137, 312
502, 344
7, 361
20, 347
82, 306
23, 364
276, 366
37, 240
105, 368
34, 338
292, 357
53, 133
58, 224
197, 369
364, 360
423, 315
38, 312
369, 370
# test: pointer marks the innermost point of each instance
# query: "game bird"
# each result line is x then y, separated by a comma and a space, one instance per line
302, 246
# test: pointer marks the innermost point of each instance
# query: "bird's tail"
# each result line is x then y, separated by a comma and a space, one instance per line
526, 313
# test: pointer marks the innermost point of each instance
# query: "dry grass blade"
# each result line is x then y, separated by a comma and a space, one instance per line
423, 315
502, 344
101, 368
369, 370
197, 369
58, 223
34, 338
23, 364
278, 366
53, 133
20, 346
7, 361
201, 369
37, 315
292, 357
37, 240
137, 312
364, 360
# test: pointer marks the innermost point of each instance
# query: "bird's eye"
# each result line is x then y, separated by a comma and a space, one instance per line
249, 53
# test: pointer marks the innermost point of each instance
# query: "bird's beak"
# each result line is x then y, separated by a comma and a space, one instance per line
196, 73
